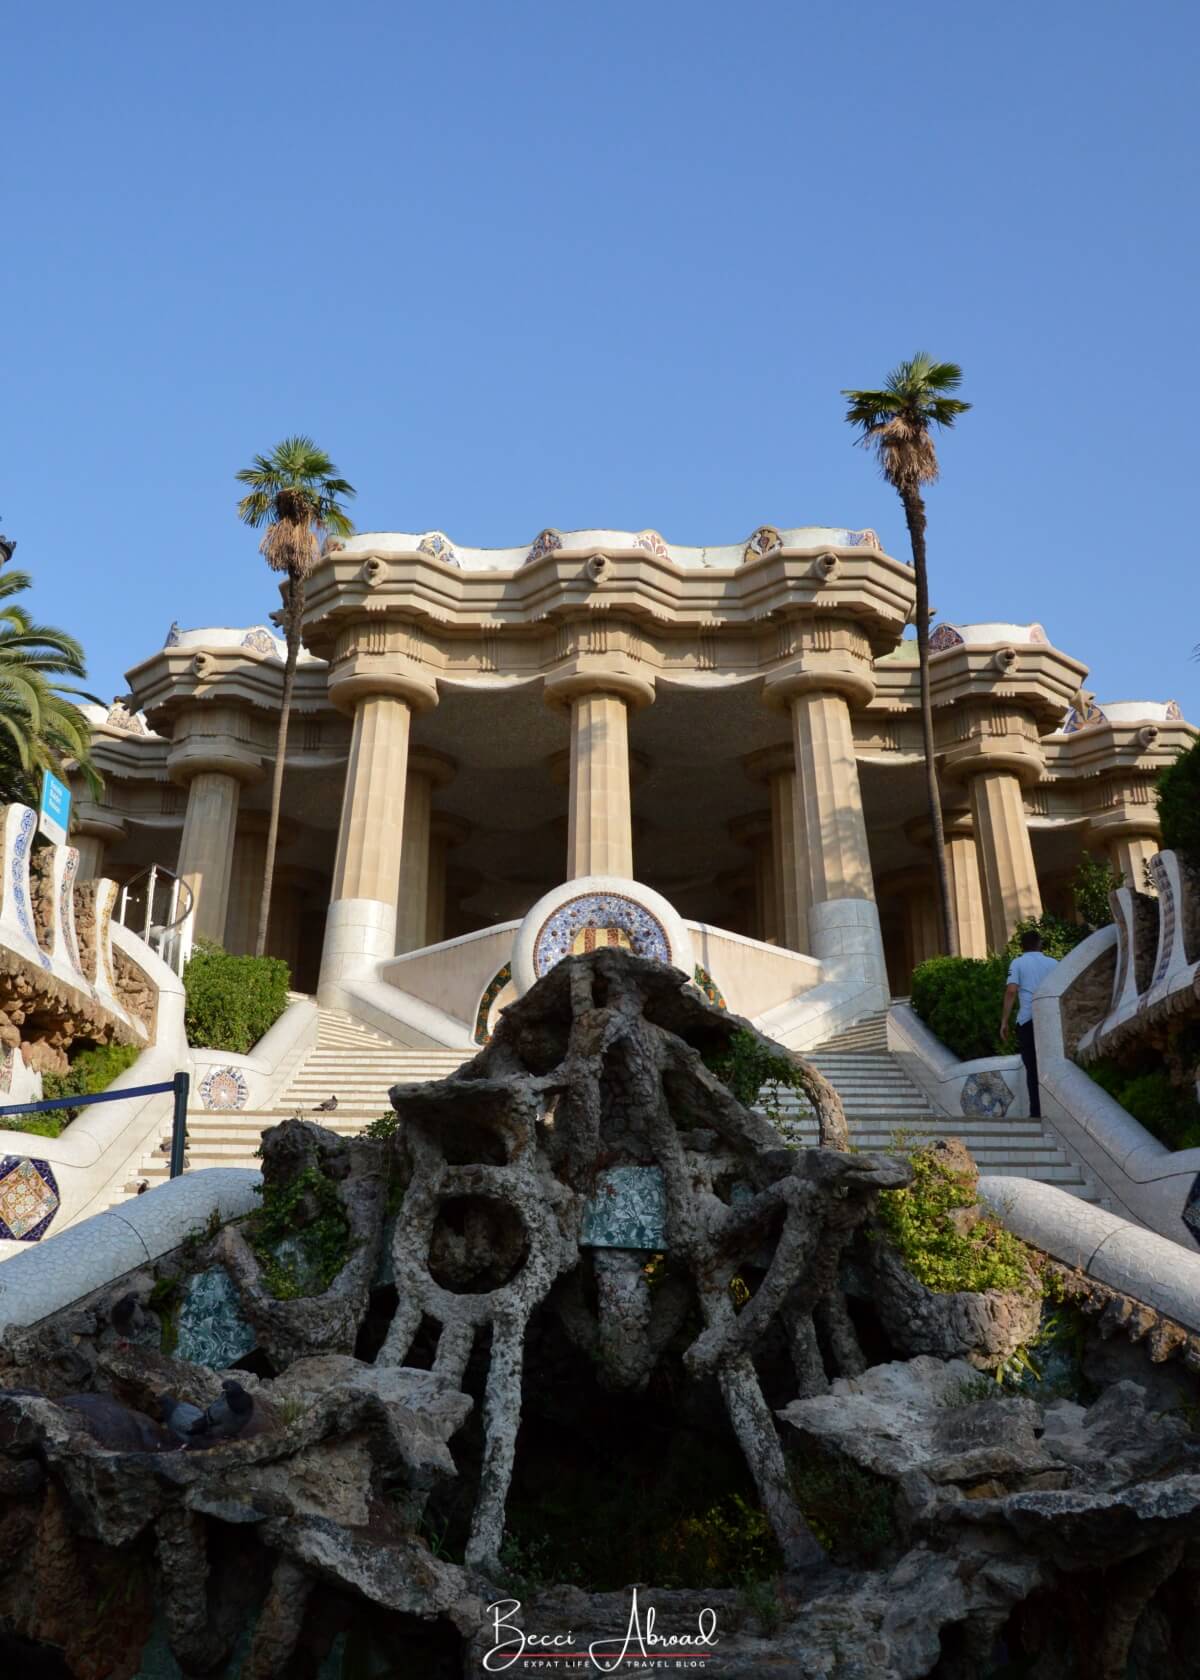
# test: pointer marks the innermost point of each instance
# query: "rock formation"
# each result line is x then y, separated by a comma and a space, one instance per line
584, 1232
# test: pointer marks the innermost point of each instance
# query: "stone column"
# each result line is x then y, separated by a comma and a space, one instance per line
1129, 855
832, 861
966, 887
777, 767
245, 885
444, 832
755, 832
915, 890
425, 771
213, 756
93, 829
600, 808
206, 849
1128, 835
360, 930
1010, 888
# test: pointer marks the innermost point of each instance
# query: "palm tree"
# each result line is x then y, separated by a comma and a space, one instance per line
895, 423
41, 727
294, 491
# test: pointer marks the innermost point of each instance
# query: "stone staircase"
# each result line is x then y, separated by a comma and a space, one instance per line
348, 1061
359, 1067
881, 1100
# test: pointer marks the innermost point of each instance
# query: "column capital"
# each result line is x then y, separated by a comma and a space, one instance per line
217, 755
385, 677
97, 822
767, 762
1014, 755
440, 768
590, 674
1123, 823
820, 674
955, 822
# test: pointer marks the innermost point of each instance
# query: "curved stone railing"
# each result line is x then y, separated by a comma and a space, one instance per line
43, 1279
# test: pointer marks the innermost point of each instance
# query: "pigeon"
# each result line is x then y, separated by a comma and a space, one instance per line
229, 1415
326, 1107
116, 1427
186, 1422
143, 1186
127, 1318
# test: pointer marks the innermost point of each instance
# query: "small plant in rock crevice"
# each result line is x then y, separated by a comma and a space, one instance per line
917, 1220
309, 1209
755, 1073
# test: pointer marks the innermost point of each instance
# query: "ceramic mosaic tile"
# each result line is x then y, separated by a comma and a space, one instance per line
224, 1088
259, 641
29, 1198
212, 1328
708, 986
1191, 1210
628, 1209
491, 992
566, 931
986, 1095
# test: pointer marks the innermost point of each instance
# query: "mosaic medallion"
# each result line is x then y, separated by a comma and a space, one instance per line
29, 1198
944, 636
491, 992
212, 1328
120, 717
546, 542
1083, 716
763, 541
653, 543
172, 635
259, 641
862, 539
986, 1095
439, 547
628, 1209
594, 920
224, 1087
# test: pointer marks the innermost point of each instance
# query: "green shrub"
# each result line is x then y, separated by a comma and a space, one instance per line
1093, 883
1058, 937
960, 1000
92, 1069
850, 1511
1168, 1111
1179, 806
939, 1255
232, 1001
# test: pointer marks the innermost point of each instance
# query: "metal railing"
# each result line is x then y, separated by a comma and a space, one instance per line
179, 1087
158, 904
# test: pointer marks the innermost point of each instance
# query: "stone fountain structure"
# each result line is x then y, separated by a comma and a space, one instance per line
589, 1183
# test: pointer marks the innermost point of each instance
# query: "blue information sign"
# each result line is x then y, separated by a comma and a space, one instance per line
55, 811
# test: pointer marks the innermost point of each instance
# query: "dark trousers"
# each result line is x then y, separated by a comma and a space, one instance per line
1029, 1057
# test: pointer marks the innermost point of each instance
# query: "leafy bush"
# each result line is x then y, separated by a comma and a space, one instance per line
307, 1216
936, 1252
1058, 938
1179, 806
850, 1511
752, 1069
232, 1001
93, 1069
1167, 1110
1093, 883
960, 1000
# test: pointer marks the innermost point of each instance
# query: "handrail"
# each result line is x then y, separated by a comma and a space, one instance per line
172, 938
179, 1086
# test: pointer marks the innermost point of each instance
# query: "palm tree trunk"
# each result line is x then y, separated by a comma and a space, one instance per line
295, 610
914, 514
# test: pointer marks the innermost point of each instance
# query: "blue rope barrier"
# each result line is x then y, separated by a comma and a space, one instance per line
85, 1101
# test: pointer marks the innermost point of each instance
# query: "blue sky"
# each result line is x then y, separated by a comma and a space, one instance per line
543, 264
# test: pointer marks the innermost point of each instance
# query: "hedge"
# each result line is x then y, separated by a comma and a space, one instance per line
232, 1001
960, 998
92, 1070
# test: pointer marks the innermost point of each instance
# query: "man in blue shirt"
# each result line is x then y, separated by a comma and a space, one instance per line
1025, 975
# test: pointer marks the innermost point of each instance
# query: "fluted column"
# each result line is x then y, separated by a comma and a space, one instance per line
776, 766
1009, 878
206, 849
962, 866
93, 829
831, 859
426, 770
1129, 855
245, 886
756, 832
600, 814
360, 929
